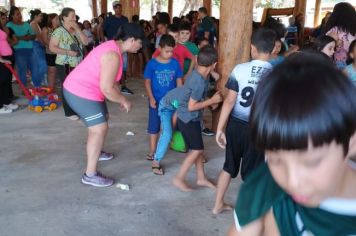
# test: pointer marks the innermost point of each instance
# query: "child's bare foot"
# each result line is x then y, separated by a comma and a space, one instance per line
206, 183
225, 207
181, 185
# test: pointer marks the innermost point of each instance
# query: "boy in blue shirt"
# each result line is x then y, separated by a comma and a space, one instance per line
161, 74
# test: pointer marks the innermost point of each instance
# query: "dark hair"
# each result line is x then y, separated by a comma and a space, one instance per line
51, 16
172, 28
13, 9
351, 49
200, 40
129, 30
34, 13
184, 25
135, 18
167, 41
176, 20
164, 17
264, 40
207, 56
65, 12
290, 107
322, 41
343, 17
203, 10
44, 20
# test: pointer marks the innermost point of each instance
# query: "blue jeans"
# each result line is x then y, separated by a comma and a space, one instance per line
24, 62
166, 133
40, 64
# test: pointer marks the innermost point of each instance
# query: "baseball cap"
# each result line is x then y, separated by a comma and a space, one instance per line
115, 3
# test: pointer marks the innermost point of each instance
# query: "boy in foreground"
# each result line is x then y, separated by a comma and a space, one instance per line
308, 134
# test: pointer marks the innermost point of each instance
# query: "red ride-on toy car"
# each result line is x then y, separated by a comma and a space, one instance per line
39, 99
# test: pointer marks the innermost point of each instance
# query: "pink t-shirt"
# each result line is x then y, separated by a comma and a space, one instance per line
5, 49
180, 53
84, 80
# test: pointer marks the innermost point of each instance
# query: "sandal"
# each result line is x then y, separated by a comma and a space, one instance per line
150, 157
157, 170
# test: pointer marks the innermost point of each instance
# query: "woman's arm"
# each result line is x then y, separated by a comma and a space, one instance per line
54, 47
44, 36
109, 66
79, 32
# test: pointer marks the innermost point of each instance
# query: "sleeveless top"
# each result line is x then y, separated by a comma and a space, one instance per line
84, 80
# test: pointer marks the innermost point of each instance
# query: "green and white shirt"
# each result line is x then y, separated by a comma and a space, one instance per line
260, 193
65, 40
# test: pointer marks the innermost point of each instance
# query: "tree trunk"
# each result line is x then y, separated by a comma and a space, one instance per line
94, 8
170, 9
234, 39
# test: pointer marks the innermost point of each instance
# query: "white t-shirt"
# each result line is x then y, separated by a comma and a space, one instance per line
244, 79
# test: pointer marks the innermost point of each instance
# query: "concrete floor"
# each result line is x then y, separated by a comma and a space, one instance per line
42, 158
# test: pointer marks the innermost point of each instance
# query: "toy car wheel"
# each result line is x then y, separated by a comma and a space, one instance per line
38, 109
52, 107
31, 108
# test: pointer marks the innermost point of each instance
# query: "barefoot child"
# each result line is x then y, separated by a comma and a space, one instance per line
308, 134
236, 110
162, 74
189, 117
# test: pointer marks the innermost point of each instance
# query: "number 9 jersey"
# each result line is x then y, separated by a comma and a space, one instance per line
244, 79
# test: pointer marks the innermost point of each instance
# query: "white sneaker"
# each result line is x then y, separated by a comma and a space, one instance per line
12, 106
73, 117
5, 110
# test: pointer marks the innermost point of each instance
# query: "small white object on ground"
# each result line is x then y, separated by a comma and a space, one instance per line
130, 133
123, 186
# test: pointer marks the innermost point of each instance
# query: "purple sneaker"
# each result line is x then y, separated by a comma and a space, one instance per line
105, 156
97, 180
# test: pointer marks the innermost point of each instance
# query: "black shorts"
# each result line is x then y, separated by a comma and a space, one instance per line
239, 146
191, 132
51, 59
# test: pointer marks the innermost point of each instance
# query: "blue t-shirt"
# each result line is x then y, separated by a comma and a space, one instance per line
351, 73
22, 30
112, 24
163, 76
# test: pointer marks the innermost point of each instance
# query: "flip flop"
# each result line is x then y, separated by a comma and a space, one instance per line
159, 168
150, 157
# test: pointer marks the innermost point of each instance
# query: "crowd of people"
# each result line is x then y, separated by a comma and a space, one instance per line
287, 121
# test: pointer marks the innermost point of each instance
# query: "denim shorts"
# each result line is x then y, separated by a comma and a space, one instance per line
91, 112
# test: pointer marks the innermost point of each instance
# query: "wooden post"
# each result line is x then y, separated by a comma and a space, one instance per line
300, 7
234, 40
12, 3
207, 5
95, 8
317, 12
170, 8
130, 8
104, 6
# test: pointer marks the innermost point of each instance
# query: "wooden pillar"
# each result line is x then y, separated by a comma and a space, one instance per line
207, 5
170, 8
235, 32
130, 8
12, 3
300, 7
94, 6
104, 6
317, 12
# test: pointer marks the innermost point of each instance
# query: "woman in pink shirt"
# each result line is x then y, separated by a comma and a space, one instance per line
90, 83
6, 57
